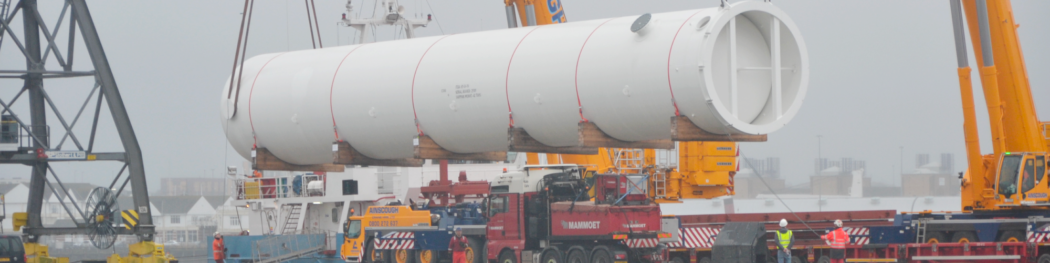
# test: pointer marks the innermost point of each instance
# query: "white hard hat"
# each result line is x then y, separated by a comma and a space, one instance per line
838, 223
783, 222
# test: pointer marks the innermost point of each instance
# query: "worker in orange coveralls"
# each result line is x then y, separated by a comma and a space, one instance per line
458, 246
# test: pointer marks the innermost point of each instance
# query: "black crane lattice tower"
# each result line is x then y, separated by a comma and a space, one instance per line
35, 147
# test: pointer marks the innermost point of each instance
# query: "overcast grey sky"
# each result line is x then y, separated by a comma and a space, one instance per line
883, 74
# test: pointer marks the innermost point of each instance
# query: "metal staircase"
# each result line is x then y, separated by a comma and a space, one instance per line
291, 223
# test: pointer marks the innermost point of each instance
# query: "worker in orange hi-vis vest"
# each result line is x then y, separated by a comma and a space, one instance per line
218, 248
837, 239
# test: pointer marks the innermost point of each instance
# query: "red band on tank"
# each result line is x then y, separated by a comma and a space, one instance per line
576, 75
506, 80
418, 129
332, 88
673, 101
252, 91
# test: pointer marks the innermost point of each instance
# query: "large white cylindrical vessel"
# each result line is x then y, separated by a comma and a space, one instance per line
738, 70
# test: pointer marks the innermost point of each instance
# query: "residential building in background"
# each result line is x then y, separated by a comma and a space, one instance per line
188, 186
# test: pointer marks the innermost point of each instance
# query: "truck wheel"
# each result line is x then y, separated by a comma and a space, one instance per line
601, 255
935, 237
426, 256
964, 237
474, 252
796, 259
576, 256
372, 255
552, 256
403, 256
705, 260
676, 260
824, 259
1044, 258
507, 257
1012, 236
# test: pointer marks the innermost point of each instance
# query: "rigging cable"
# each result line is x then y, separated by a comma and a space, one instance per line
318, 25
435, 17
759, 175
310, 23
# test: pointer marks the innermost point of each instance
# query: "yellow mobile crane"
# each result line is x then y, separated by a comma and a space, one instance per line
1013, 175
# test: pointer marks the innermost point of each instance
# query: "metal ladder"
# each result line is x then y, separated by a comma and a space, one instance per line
292, 222
920, 230
660, 184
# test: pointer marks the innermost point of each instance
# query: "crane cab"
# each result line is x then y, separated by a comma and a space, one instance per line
1022, 180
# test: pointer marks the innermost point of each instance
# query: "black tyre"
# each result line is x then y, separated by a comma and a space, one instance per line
676, 260
964, 237
404, 256
936, 237
507, 257
576, 255
551, 256
1012, 236
796, 259
474, 252
601, 254
1044, 258
372, 255
824, 259
705, 260
426, 256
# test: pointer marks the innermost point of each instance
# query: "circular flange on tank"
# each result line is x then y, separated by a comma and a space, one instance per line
753, 64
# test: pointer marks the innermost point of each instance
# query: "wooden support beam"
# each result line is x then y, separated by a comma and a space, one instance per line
521, 141
592, 136
426, 148
264, 160
343, 153
683, 129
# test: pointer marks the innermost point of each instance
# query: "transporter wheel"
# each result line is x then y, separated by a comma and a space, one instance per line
601, 255
507, 257
796, 259
403, 256
474, 253
551, 256
824, 259
426, 256
705, 260
1044, 258
578, 256
1012, 236
935, 237
673, 260
964, 237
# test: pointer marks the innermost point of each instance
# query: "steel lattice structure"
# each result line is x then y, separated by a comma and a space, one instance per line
36, 148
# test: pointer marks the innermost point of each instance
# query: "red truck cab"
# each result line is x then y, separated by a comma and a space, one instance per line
545, 214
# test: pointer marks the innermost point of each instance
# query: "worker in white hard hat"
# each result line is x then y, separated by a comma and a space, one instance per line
785, 240
837, 239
